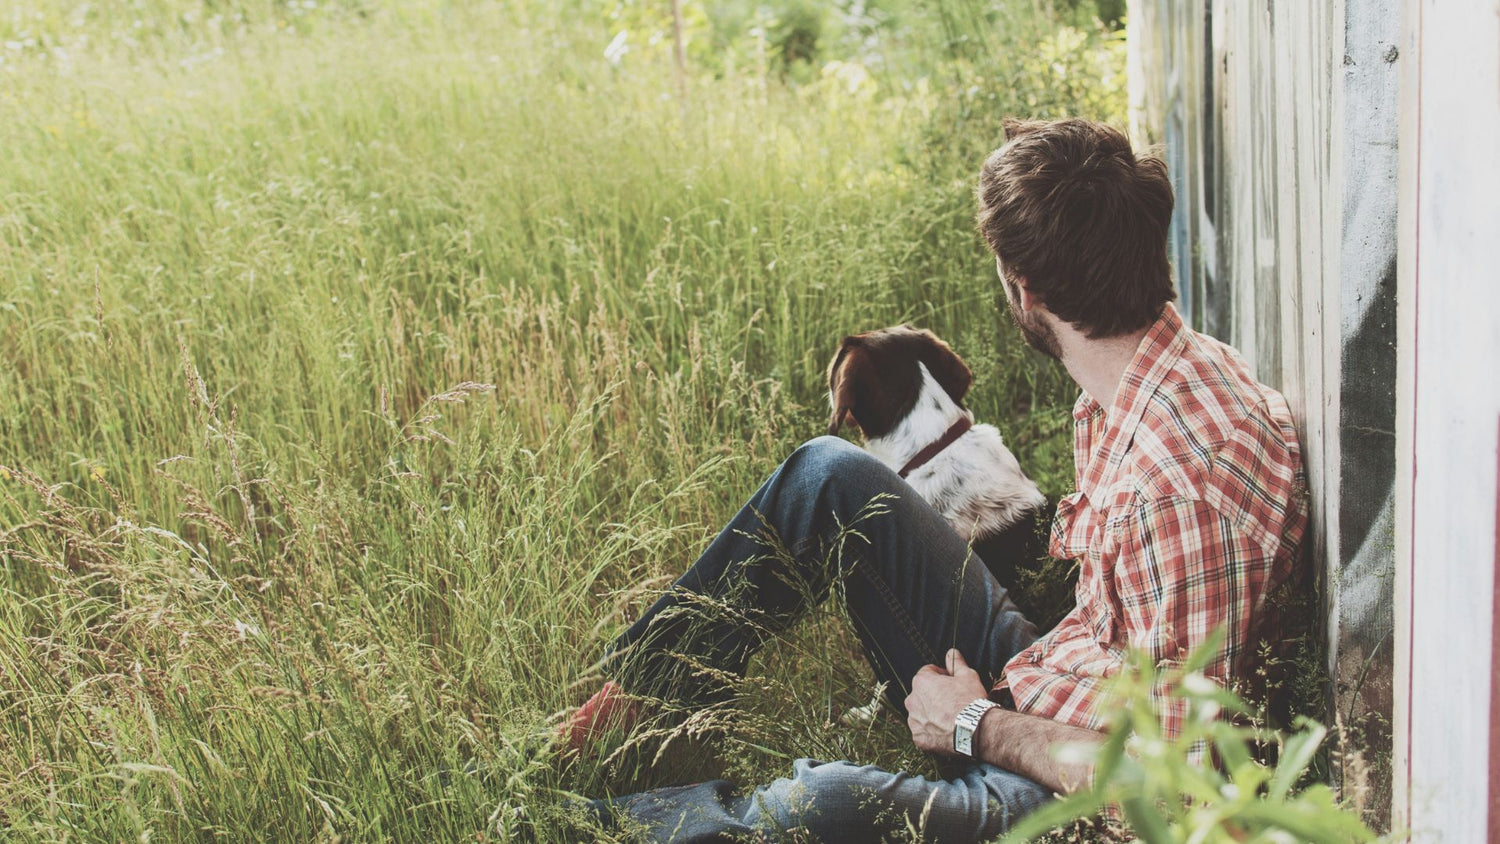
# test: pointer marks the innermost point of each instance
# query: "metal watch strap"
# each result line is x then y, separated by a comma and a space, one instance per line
967, 723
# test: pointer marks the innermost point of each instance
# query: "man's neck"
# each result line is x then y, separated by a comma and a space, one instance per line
1098, 365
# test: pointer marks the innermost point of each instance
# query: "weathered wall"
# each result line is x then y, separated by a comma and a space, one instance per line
1367, 387
1280, 127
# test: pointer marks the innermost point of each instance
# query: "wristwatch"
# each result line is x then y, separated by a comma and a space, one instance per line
967, 722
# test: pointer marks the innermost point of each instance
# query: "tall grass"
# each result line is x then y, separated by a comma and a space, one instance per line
364, 366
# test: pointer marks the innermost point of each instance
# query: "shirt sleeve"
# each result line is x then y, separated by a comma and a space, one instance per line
1184, 570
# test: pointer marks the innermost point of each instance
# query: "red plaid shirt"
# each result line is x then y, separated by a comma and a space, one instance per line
1190, 508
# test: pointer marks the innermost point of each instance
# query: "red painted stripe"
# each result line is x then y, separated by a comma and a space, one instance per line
1495, 666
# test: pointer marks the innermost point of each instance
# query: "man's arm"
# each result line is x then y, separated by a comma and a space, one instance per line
1014, 741
1023, 744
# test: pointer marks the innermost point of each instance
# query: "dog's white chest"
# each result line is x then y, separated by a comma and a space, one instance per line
975, 482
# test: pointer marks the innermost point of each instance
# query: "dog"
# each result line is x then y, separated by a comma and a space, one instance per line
903, 388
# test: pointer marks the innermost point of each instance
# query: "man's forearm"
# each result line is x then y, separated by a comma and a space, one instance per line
1023, 744
1019, 743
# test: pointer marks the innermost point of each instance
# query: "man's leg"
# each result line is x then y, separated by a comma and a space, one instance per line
831, 516
837, 802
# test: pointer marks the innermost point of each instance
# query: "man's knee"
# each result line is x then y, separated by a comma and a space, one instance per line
842, 801
828, 452
827, 799
833, 464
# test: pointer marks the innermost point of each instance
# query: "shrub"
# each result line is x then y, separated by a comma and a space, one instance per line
1165, 797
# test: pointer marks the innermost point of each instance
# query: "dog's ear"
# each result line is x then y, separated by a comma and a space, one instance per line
946, 366
843, 386
868, 385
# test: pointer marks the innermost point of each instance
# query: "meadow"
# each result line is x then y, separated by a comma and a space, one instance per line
365, 366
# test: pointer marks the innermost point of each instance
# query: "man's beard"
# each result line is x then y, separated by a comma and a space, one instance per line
1037, 332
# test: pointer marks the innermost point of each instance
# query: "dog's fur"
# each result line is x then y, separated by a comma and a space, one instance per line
903, 388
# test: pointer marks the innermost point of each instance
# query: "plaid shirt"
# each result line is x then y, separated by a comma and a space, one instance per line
1190, 508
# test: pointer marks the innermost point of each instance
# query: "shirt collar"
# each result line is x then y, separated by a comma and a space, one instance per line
1157, 354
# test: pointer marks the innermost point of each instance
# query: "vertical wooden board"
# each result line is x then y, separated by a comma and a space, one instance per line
1493, 821
1267, 361
1320, 300
1136, 76
1244, 166
1287, 236
1306, 37
1180, 108
1327, 51
1405, 416
1234, 169
1195, 102
1364, 323
1185, 161
1232, 235
1456, 407
1221, 288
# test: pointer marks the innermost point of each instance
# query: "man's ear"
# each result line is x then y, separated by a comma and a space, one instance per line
950, 371
1020, 290
843, 387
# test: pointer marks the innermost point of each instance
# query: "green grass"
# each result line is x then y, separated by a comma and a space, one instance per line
364, 367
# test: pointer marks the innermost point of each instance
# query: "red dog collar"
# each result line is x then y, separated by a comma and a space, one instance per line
949, 437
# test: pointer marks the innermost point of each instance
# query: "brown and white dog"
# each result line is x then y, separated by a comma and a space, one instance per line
904, 388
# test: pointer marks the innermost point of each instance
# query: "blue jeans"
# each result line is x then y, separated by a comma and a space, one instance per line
830, 517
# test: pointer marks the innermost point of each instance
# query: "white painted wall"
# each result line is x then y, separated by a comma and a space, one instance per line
1448, 423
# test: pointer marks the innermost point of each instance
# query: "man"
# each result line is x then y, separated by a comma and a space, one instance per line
1189, 509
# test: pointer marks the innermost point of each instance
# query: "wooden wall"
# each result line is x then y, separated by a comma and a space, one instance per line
1279, 122
1448, 520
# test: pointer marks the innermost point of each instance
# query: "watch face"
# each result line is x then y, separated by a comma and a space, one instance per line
966, 723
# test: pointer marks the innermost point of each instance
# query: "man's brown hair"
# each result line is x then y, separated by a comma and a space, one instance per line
1070, 208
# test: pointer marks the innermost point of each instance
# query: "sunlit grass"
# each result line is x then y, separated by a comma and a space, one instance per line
364, 367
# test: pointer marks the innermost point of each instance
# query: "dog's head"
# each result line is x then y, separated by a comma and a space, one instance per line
874, 379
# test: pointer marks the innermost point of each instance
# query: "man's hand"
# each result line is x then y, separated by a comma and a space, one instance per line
1016, 742
937, 696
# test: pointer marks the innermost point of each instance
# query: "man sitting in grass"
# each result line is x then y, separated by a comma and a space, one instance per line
1189, 510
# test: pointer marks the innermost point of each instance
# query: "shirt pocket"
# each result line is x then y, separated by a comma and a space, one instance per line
1073, 528
1083, 533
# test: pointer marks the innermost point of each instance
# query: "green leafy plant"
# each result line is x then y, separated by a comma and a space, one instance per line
1166, 795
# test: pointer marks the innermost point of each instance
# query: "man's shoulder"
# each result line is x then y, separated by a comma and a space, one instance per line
1212, 433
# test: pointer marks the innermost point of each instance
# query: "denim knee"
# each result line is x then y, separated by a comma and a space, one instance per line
842, 801
830, 463
826, 799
